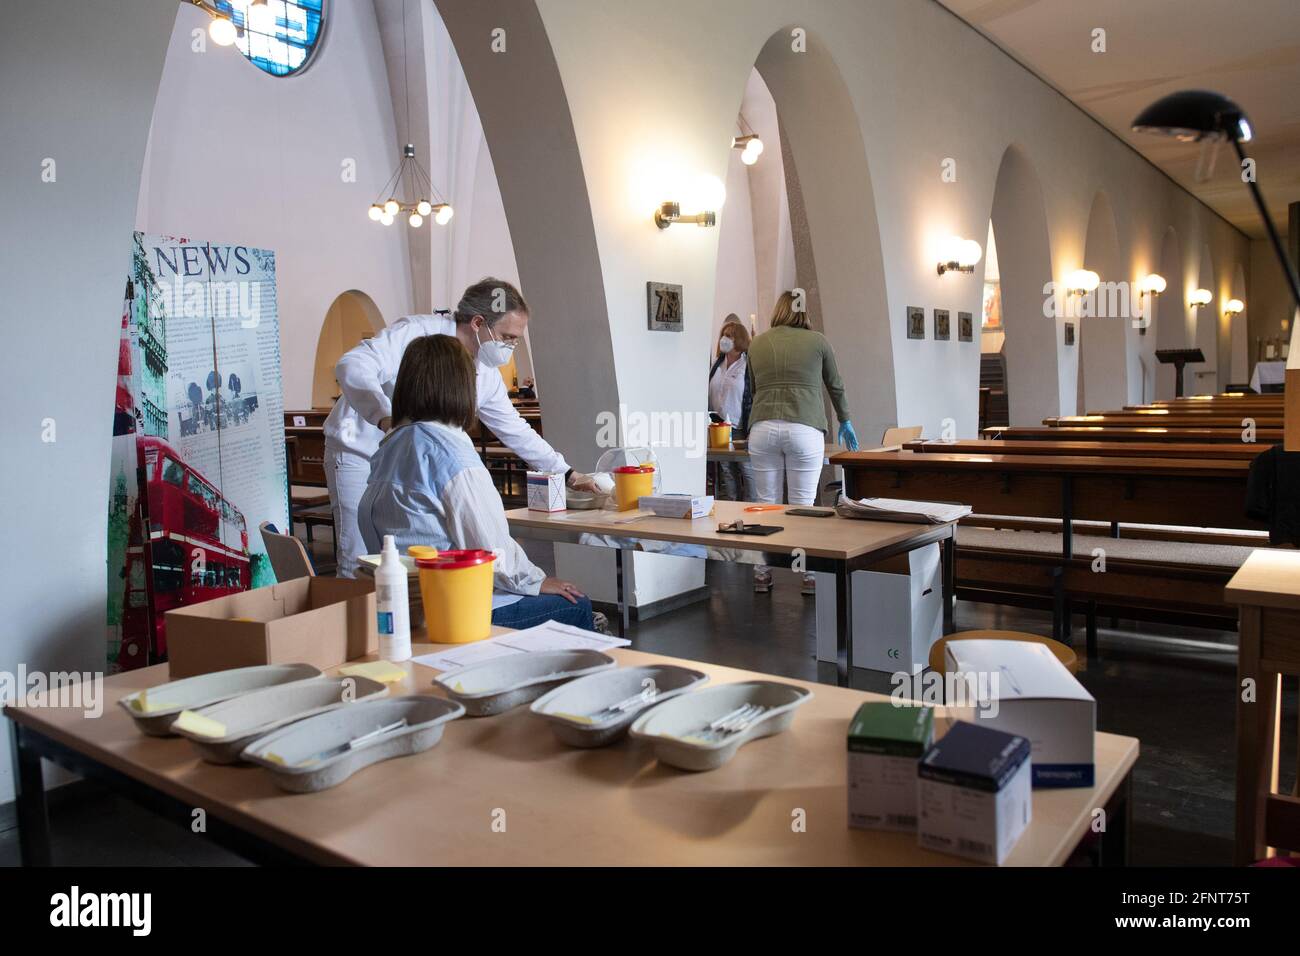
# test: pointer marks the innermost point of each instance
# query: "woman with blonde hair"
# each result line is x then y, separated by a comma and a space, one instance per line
730, 399
790, 364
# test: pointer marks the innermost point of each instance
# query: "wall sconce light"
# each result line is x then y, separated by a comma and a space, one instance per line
671, 212
751, 148
1153, 285
1082, 281
1234, 307
959, 255
1200, 297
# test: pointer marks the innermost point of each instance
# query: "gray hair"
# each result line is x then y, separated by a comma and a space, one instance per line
490, 298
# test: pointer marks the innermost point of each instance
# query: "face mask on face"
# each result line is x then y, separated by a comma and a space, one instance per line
493, 353
725, 345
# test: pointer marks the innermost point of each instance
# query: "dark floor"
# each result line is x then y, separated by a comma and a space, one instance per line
1171, 687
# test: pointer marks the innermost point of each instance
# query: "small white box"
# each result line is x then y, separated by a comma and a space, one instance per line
545, 492
885, 743
974, 797
896, 617
1021, 688
677, 505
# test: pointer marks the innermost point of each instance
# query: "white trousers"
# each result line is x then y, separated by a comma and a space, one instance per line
789, 451
345, 476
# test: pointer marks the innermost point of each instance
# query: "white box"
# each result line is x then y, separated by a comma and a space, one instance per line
896, 617
974, 797
677, 505
885, 744
1021, 688
545, 492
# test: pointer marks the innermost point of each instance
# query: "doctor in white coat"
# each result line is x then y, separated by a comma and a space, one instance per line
489, 321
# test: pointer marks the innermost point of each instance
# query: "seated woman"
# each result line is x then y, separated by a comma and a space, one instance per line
428, 486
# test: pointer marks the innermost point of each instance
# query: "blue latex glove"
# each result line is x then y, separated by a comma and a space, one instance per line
848, 437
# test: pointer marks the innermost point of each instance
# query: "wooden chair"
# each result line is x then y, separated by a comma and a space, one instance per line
1063, 653
288, 557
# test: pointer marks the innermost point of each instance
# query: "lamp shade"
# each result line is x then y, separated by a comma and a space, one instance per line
1193, 115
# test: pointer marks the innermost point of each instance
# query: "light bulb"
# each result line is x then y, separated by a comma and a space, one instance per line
950, 250
445, 212
712, 194
376, 212
391, 207
386, 219
756, 145
1234, 306
1155, 284
222, 31
749, 156
1083, 280
416, 220
260, 17
1201, 296
971, 253
423, 207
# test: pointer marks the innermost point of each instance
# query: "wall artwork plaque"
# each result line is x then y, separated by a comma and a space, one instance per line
965, 327
1069, 333
663, 306
942, 327
915, 322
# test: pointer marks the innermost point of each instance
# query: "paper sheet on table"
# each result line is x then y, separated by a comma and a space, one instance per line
550, 636
900, 509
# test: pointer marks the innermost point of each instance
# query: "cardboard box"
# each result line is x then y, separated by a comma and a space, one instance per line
885, 743
546, 492
1021, 688
677, 505
974, 797
320, 621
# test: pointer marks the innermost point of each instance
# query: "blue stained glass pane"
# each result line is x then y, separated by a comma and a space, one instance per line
288, 44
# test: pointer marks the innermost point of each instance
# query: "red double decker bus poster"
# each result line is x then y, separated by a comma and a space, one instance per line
198, 437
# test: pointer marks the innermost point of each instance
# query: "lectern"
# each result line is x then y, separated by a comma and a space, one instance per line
1178, 358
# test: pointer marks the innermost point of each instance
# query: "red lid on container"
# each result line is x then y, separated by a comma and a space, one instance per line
451, 560
634, 469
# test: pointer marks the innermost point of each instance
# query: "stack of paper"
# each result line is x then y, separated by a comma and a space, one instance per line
551, 636
899, 509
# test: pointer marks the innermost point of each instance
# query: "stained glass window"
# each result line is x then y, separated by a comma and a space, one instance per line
288, 44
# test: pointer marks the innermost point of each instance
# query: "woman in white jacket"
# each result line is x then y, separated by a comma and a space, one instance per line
490, 319
428, 486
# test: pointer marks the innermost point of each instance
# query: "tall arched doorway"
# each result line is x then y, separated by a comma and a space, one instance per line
352, 317
1032, 347
836, 237
1104, 316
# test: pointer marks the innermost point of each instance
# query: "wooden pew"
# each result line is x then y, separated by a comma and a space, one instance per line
1122, 449
1132, 433
305, 417
1196, 492
1164, 421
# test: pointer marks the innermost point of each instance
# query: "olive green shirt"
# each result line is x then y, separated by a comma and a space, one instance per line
789, 367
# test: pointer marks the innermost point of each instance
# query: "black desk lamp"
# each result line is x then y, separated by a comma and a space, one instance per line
1196, 115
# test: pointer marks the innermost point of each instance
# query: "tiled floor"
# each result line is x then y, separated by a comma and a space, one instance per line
1175, 693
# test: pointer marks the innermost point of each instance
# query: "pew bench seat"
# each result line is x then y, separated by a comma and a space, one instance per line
1179, 582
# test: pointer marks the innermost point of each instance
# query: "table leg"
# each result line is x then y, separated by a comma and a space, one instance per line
1115, 840
1256, 741
843, 623
949, 558
624, 619
29, 802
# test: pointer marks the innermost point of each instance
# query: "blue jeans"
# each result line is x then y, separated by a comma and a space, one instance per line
537, 609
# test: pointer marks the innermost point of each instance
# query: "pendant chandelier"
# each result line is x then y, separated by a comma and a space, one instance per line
410, 179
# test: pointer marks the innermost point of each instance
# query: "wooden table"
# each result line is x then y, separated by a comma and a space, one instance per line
1139, 433
1267, 590
614, 806
1111, 449
836, 545
1172, 421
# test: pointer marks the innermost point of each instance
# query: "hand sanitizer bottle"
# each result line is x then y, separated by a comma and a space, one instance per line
392, 603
